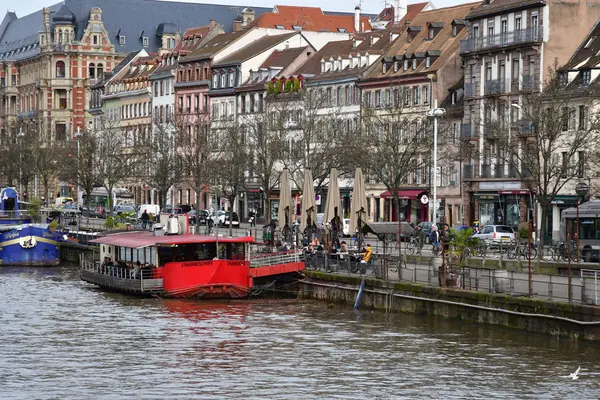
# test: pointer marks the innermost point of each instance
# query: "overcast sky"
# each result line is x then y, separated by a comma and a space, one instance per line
25, 7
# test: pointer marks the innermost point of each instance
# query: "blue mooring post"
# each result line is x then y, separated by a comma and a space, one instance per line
359, 295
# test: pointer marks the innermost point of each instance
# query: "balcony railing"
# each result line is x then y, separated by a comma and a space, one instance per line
499, 170
470, 89
495, 86
486, 171
472, 45
468, 171
467, 131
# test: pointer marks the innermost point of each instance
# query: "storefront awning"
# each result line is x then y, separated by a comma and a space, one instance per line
403, 194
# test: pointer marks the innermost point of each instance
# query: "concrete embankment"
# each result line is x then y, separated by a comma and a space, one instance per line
534, 315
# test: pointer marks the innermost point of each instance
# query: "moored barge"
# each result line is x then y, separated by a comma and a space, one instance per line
183, 266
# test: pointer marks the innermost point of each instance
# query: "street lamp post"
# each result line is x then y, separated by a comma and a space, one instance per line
435, 113
20, 136
77, 136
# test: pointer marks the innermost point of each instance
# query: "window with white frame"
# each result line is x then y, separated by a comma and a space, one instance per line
223, 80
231, 79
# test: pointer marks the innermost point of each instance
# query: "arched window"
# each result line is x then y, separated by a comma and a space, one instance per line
60, 36
92, 70
99, 70
60, 69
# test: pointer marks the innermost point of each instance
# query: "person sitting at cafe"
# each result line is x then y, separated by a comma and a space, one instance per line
367, 254
343, 247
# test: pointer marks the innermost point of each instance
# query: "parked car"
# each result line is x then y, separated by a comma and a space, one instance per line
128, 208
185, 208
496, 233
426, 226
224, 216
202, 215
171, 209
93, 211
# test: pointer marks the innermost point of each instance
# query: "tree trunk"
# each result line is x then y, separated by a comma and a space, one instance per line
231, 204
543, 226
198, 212
397, 201
266, 205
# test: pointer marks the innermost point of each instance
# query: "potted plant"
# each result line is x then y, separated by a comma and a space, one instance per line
460, 250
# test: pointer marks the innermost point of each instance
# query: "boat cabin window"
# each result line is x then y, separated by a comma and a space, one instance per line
143, 255
202, 252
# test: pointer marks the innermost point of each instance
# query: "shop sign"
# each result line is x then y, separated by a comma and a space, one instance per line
499, 185
513, 191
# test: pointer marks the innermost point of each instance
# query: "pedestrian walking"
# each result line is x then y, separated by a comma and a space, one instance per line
145, 219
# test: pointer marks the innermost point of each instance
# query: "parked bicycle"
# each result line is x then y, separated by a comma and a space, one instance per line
414, 246
522, 249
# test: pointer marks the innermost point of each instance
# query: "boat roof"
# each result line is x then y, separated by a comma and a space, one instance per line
136, 240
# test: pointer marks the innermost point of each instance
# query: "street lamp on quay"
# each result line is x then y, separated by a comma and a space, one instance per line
20, 137
435, 113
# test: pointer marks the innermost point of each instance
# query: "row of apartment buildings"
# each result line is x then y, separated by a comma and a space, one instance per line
82, 67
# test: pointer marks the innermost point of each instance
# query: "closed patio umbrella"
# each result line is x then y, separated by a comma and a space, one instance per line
285, 200
309, 208
358, 208
333, 206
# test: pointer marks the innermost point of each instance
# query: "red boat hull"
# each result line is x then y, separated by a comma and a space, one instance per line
207, 279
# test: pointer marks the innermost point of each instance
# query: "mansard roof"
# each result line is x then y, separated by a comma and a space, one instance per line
126, 18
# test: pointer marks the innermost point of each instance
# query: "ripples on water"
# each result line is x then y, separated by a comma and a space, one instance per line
63, 339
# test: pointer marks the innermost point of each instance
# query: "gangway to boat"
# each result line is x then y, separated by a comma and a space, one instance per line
276, 263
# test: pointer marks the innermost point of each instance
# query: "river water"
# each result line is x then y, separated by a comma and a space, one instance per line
61, 338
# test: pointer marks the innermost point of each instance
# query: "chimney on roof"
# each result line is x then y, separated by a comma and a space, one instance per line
400, 10
356, 18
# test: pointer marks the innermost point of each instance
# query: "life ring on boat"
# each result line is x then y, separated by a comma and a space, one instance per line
27, 242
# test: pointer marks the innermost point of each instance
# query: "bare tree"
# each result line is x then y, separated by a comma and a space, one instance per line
394, 148
232, 158
548, 144
197, 155
161, 165
81, 166
269, 148
317, 134
117, 156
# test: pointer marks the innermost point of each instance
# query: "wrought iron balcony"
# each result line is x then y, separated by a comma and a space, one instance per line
496, 86
468, 172
499, 170
470, 89
501, 40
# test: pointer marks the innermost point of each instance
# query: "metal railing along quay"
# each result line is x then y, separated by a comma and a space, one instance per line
585, 288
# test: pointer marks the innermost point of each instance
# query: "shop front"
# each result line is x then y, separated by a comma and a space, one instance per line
411, 208
560, 203
504, 207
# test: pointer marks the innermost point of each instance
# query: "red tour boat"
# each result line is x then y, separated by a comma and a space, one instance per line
184, 265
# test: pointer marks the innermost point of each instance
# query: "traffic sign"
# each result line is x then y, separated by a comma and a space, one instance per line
424, 199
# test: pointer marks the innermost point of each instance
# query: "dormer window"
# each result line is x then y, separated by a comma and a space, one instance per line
459, 24
405, 65
384, 67
223, 80
231, 79
342, 30
433, 29
428, 62
396, 66
586, 77
95, 39
454, 98
121, 40
412, 32
145, 41
414, 63
296, 27
215, 81
279, 27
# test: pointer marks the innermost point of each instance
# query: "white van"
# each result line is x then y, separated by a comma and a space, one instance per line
61, 201
153, 209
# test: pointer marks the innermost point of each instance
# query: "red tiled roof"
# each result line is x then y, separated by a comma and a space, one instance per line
282, 58
411, 13
309, 18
